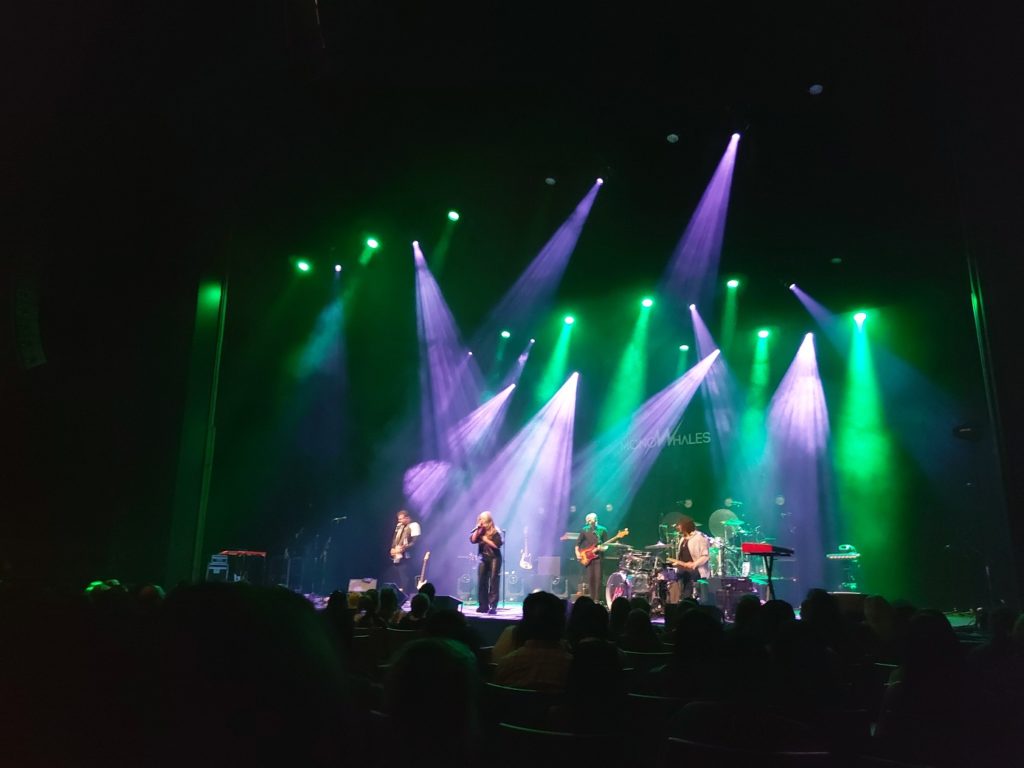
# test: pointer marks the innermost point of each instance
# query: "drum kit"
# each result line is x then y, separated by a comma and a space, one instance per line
646, 573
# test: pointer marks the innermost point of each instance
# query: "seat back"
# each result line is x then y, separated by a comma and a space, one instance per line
516, 706
645, 662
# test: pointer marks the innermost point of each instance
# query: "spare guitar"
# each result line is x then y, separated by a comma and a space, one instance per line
589, 554
422, 578
525, 558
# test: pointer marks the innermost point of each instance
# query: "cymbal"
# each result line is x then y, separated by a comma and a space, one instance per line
736, 522
615, 544
654, 547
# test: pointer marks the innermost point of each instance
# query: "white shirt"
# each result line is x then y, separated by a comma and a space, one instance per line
697, 544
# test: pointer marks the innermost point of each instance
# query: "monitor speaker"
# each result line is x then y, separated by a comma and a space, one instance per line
446, 603
402, 597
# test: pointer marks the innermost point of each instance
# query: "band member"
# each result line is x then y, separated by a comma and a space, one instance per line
406, 534
488, 539
692, 557
591, 535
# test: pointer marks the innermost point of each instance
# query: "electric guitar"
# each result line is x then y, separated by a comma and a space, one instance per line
590, 554
525, 558
397, 554
422, 578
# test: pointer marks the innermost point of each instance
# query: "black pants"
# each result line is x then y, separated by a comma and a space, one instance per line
401, 575
687, 583
595, 583
488, 582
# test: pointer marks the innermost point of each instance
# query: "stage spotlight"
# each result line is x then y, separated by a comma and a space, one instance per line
764, 333
506, 335
470, 353
684, 347
792, 286
733, 283
303, 266
533, 341
373, 242
647, 302
600, 182
569, 319
453, 215
337, 267
816, 89
859, 318
735, 136
672, 138
550, 181
693, 307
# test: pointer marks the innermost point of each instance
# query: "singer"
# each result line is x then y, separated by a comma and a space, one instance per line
406, 533
488, 539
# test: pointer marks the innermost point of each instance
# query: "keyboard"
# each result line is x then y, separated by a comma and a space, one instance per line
753, 548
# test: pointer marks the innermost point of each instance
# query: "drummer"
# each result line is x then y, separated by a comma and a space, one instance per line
692, 557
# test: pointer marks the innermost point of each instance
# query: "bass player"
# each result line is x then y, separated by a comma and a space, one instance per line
592, 535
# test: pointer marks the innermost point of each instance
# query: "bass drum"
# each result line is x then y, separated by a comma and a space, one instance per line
617, 586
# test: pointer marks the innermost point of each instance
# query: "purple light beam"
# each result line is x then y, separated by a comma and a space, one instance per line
532, 293
614, 466
798, 436
693, 269
450, 381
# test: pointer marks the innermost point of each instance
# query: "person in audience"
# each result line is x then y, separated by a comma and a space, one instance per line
637, 603
389, 612
594, 688
428, 589
696, 669
433, 686
587, 621
639, 635
924, 702
540, 662
773, 615
244, 675
617, 617
417, 614
369, 611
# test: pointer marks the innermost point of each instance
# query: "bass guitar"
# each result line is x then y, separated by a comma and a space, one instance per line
525, 558
422, 578
589, 554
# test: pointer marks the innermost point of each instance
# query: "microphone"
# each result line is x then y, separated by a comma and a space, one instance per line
474, 529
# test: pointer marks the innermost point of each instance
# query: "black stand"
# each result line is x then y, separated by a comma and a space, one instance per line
769, 562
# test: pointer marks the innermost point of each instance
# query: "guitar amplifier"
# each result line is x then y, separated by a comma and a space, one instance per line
549, 566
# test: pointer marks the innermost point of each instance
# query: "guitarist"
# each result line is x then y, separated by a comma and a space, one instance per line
404, 539
591, 535
692, 557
